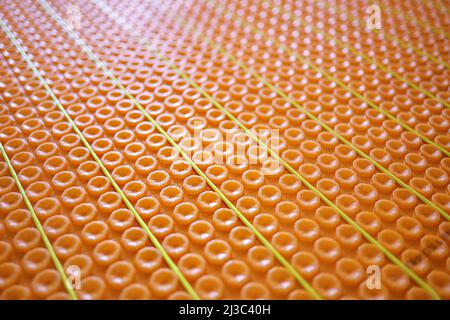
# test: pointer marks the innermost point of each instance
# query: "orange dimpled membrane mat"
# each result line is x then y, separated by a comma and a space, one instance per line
224, 149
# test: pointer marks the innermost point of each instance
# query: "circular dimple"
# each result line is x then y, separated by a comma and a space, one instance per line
6, 251
73, 196
266, 224
185, 213
16, 292
209, 287
327, 163
163, 282
299, 294
209, 201
416, 162
442, 200
18, 220
308, 200
369, 221
440, 281
232, 189
217, 174
194, 185
109, 201
427, 215
121, 219
387, 210
417, 261
418, 294
134, 239
423, 186
10, 201
19, 161
410, 228
253, 179
242, 238
200, 232
269, 195
9, 274
63, 180
161, 225
293, 157
120, 274
348, 236
192, 265
145, 164
29, 175
135, 292
112, 160
329, 188
167, 155
83, 214
147, 207
176, 245
56, 226
306, 264
306, 230
217, 252
394, 278
369, 254
310, 172
327, 217
158, 179
383, 183
88, 170
349, 204
46, 283
148, 260
170, 196
255, 291
404, 198
434, 247
346, 178
224, 219
328, 286
280, 281
392, 240
36, 260
345, 153
26, 239
67, 245
39, 190
350, 271
92, 288
123, 174
370, 293
78, 155
235, 273
285, 243
366, 193
180, 169
327, 250
287, 212
289, 184
260, 258
94, 232
82, 261
249, 206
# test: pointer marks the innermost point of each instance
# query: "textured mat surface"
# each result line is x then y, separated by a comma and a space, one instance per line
224, 150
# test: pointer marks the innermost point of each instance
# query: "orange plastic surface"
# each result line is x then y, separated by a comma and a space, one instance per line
298, 245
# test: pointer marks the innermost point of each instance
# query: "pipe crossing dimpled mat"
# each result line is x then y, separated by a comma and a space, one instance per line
224, 149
